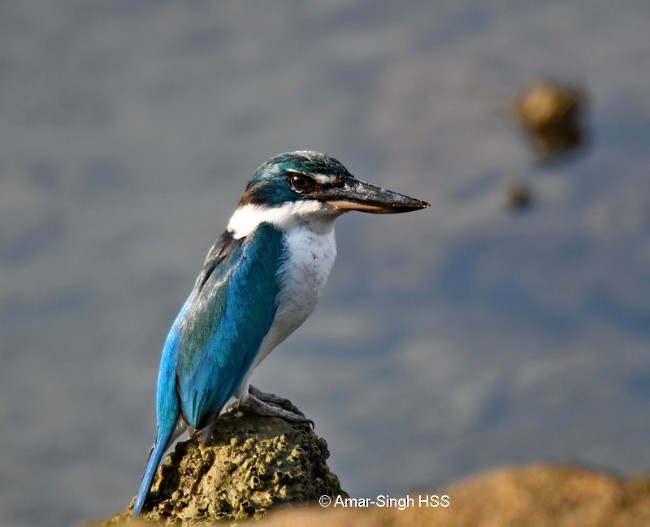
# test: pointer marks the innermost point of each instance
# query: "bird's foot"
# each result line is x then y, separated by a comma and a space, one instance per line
275, 400
203, 434
271, 405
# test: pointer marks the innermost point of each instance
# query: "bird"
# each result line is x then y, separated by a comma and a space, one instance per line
259, 282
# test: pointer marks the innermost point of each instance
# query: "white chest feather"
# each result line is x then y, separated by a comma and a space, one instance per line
310, 251
309, 258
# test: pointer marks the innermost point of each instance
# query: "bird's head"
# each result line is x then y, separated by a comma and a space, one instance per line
303, 184
312, 176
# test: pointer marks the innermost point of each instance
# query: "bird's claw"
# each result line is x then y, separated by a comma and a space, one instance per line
275, 400
271, 405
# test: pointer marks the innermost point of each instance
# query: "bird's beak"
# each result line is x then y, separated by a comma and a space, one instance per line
358, 195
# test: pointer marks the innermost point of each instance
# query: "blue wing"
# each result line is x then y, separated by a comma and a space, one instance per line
225, 320
215, 337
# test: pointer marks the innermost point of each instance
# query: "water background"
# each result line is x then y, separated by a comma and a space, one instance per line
448, 341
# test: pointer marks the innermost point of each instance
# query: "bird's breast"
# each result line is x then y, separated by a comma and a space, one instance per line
308, 258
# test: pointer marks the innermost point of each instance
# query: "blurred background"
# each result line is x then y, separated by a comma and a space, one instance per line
508, 323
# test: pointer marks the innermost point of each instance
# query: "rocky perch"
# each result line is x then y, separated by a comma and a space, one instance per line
251, 464
255, 464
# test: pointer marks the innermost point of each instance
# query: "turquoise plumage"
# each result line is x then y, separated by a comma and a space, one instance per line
259, 282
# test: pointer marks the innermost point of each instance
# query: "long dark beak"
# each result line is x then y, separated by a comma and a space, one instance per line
364, 197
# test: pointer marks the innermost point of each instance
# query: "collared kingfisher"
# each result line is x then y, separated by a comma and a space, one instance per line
260, 281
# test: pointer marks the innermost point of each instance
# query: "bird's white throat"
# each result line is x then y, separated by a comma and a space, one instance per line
316, 215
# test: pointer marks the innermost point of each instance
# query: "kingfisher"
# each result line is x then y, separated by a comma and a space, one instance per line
259, 283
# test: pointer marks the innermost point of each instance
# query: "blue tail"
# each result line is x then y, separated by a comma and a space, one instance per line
159, 447
167, 408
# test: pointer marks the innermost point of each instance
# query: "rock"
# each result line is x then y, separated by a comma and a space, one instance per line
551, 496
547, 105
552, 115
251, 465
533, 496
518, 197
538, 495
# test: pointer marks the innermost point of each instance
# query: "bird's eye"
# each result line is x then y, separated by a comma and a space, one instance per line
301, 181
